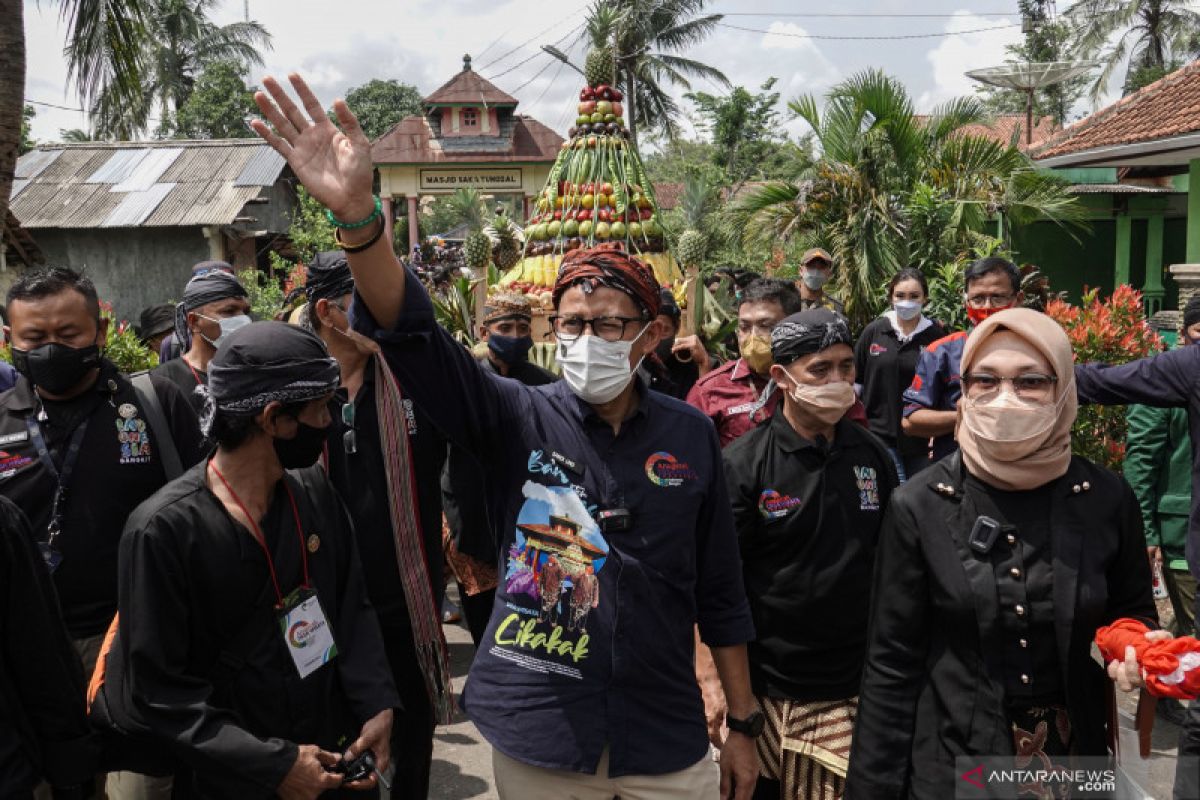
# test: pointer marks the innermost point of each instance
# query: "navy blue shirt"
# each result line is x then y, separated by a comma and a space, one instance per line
8, 376
590, 642
1166, 380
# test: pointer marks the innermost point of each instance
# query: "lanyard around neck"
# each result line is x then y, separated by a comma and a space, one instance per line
258, 534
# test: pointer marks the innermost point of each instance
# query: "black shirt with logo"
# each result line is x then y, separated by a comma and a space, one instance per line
885, 367
118, 467
808, 515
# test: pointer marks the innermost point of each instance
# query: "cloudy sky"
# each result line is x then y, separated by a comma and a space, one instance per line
343, 43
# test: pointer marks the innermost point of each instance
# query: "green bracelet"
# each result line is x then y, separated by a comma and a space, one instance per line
337, 223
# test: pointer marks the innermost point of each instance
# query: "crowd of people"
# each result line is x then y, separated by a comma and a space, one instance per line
832, 564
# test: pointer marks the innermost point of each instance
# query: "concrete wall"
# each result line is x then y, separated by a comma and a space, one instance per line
131, 267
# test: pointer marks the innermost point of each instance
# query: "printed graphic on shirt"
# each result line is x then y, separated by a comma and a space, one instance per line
773, 505
868, 488
551, 581
11, 462
410, 417
134, 436
663, 469
877, 349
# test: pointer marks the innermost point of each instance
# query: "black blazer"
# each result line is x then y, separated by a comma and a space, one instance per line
932, 685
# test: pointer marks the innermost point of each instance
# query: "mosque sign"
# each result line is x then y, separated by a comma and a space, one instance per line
447, 180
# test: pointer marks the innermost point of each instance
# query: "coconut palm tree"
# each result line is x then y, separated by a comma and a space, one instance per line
104, 40
181, 40
647, 37
1147, 35
892, 189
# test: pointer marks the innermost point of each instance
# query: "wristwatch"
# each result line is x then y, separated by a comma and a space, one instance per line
751, 726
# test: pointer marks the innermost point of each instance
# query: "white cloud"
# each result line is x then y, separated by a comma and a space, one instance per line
562, 503
957, 54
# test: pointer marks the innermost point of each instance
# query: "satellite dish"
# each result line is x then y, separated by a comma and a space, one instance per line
1029, 77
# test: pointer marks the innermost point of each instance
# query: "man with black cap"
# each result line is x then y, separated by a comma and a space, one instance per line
816, 268
379, 449
617, 532
155, 323
808, 491
80, 447
678, 361
246, 642
214, 305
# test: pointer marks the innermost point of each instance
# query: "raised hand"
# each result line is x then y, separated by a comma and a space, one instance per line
334, 165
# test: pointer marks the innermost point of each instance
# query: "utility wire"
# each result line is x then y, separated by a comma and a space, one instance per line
526, 43
70, 108
872, 38
868, 15
525, 61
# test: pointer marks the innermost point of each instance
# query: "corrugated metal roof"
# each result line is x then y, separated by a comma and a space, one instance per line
136, 206
172, 183
119, 166
148, 170
17, 186
1120, 188
262, 168
32, 163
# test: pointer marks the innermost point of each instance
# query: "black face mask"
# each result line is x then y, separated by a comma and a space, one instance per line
663, 351
55, 367
510, 349
303, 449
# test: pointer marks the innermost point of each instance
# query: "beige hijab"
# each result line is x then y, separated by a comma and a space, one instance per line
1036, 462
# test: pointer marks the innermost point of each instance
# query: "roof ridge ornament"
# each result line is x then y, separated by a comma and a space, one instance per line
467, 62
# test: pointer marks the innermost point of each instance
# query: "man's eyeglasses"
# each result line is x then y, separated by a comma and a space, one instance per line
350, 437
1030, 385
989, 300
610, 329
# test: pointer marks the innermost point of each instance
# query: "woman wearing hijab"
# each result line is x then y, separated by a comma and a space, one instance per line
885, 360
996, 566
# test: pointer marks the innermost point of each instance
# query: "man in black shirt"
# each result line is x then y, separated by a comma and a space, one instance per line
44, 733
507, 333
356, 447
246, 642
808, 491
214, 304
678, 361
78, 450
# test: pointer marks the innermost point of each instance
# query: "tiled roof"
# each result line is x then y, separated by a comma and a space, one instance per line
141, 184
1002, 127
669, 194
1168, 107
468, 86
412, 141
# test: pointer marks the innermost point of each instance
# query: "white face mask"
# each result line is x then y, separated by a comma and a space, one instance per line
907, 309
828, 402
597, 371
228, 326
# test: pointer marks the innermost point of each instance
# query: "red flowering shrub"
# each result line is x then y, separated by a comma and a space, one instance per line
1113, 331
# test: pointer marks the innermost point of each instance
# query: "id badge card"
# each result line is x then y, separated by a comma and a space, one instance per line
306, 631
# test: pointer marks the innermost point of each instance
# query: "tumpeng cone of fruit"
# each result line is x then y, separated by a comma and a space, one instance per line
597, 192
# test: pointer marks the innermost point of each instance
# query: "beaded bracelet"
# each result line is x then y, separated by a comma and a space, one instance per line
337, 223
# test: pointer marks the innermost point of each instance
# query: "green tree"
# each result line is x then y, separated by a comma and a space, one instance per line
179, 42
1140, 34
745, 129
74, 135
27, 143
218, 105
646, 37
1046, 39
889, 189
380, 104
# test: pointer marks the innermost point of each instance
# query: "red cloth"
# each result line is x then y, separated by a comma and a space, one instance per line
609, 265
1172, 666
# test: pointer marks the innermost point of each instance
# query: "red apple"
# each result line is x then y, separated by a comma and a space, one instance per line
587, 93
606, 188
605, 215
558, 215
587, 107
583, 214
617, 110
646, 213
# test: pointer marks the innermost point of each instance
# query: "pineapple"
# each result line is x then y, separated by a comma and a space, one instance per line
698, 198
506, 247
600, 66
477, 249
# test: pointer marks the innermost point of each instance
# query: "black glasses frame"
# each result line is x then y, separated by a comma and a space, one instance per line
587, 322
